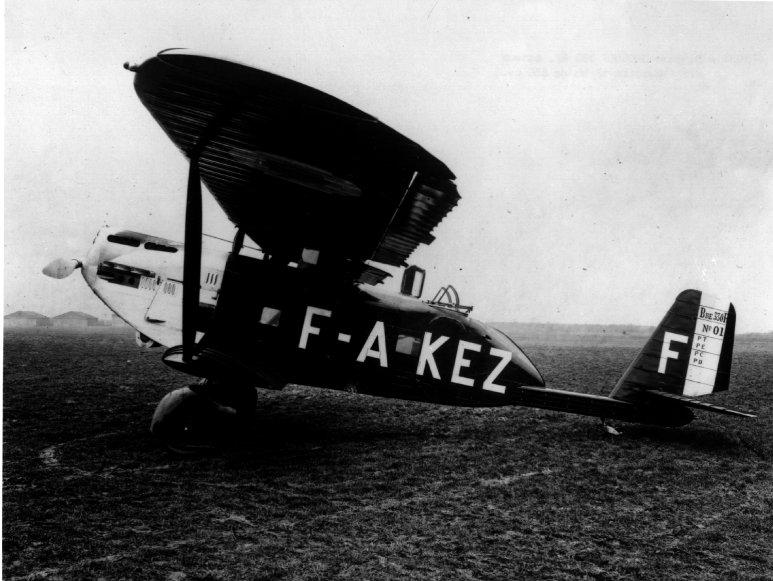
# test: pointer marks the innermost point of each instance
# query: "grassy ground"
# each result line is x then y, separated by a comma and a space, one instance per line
333, 484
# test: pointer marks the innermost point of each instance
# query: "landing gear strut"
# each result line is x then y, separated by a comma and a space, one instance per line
201, 416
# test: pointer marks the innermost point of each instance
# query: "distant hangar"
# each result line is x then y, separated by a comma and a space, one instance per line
25, 319
76, 319
68, 320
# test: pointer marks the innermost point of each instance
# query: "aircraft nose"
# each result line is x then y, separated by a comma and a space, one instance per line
91, 262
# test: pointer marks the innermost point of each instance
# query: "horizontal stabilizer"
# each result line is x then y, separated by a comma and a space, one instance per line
686, 401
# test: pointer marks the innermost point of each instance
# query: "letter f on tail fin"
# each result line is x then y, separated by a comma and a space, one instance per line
689, 354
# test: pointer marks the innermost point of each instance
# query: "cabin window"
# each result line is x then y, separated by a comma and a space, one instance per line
310, 256
270, 316
159, 247
407, 344
125, 240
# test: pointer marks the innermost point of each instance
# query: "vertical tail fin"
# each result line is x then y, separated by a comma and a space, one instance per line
689, 354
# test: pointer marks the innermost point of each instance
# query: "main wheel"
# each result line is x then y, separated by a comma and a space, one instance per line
203, 416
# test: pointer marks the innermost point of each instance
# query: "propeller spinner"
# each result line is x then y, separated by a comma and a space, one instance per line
61, 267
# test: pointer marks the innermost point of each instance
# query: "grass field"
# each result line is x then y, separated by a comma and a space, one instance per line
332, 484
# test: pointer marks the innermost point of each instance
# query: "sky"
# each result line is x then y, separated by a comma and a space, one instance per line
608, 155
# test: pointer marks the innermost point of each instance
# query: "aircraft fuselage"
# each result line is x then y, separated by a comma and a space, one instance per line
266, 323
271, 323
296, 325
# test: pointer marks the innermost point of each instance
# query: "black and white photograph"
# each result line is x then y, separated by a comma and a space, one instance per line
434, 289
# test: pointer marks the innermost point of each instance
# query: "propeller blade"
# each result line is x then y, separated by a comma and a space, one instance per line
192, 260
61, 267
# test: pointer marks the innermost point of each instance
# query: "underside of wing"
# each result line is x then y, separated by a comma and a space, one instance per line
296, 168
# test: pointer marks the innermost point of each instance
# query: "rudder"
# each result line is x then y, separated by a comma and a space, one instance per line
689, 354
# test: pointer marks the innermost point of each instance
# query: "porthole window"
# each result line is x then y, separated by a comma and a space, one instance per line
270, 316
310, 256
407, 344
125, 240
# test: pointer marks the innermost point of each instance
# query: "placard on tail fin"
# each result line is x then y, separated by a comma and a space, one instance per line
689, 354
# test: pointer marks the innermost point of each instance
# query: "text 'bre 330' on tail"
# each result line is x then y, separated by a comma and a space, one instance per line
328, 193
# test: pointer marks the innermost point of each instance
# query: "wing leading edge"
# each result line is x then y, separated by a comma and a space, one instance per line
296, 168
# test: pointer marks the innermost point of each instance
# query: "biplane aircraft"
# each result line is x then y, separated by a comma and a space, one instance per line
328, 193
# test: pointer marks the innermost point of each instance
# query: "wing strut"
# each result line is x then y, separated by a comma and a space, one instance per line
193, 234
192, 258
238, 242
